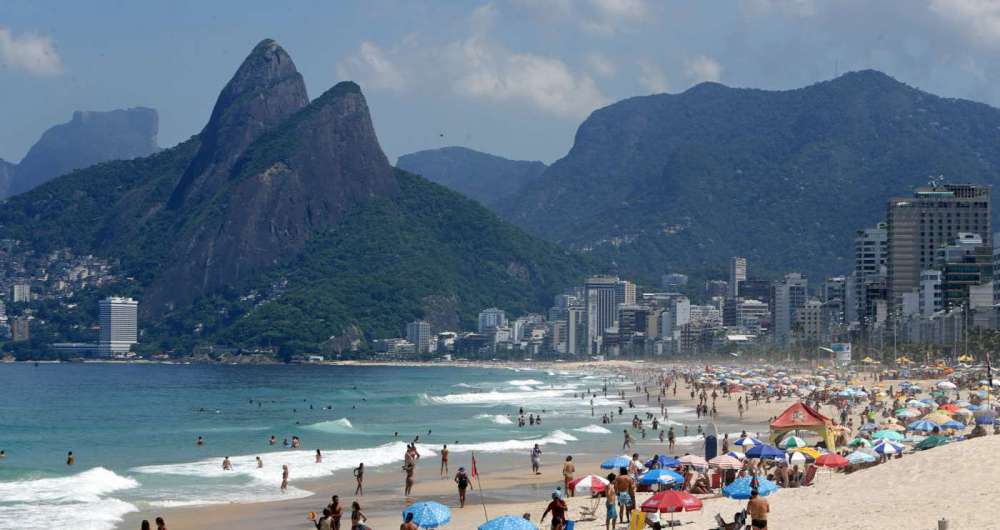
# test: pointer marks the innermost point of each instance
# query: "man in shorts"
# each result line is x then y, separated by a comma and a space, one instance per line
758, 509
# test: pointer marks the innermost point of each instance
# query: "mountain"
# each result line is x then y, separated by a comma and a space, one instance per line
487, 178
88, 139
6, 175
682, 182
282, 224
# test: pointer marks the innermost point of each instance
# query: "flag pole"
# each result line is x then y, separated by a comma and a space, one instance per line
479, 486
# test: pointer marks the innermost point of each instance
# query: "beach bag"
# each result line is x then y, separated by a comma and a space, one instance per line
570, 525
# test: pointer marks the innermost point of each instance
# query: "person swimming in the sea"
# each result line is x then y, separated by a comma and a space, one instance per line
226, 464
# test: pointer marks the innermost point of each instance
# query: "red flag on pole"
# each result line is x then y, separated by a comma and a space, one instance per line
474, 472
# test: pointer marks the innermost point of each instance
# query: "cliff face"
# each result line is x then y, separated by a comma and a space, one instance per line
265, 90
6, 175
88, 139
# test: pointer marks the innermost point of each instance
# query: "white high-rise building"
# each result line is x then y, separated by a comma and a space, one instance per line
789, 296
602, 308
119, 325
419, 333
22, 292
492, 319
625, 293
737, 274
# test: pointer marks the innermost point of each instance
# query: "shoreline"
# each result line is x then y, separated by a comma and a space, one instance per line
508, 483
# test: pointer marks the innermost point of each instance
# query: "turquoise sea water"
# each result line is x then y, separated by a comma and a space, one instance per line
133, 429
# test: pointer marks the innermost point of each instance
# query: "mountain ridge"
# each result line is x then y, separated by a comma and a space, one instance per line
485, 177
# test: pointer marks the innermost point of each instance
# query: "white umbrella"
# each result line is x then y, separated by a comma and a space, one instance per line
792, 441
589, 484
946, 385
693, 460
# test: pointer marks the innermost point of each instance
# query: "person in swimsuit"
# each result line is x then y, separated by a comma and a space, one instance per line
626, 495
284, 478
359, 476
226, 464
408, 486
260, 463
558, 509
463, 483
200, 441
408, 523
444, 460
536, 459
70, 458
336, 512
319, 457
568, 470
324, 522
357, 517
610, 498
758, 508
160, 524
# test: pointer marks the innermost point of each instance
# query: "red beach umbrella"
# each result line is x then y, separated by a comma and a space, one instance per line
588, 485
832, 460
671, 501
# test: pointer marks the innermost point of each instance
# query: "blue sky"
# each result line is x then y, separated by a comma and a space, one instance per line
511, 77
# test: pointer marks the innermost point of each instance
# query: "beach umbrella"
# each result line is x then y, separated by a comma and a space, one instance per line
938, 417
922, 426
671, 501
740, 488
809, 451
868, 427
931, 442
888, 448
588, 485
738, 456
663, 460
660, 476
953, 425
892, 427
747, 442
947, 385
725, 462
616, 462
799, 457
907, 413
693, 460
428, 514
508, 522
792, 442
858, 457
984, 417
950, 407
859, 442
832, 460
765, 452
888, 435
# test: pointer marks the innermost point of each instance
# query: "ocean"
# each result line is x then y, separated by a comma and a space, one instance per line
133, 427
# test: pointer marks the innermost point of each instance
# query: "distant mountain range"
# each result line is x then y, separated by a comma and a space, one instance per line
282, 224
487, 178
682, 182
89, 138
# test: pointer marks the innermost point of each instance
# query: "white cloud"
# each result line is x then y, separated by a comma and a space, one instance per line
703, 68
621, 9
372, 67
29, 52
598, 17
600, 65
979, 19
652, 77
493, 73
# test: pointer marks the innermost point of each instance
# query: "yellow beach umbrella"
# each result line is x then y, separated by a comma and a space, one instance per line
966, 358
808, 451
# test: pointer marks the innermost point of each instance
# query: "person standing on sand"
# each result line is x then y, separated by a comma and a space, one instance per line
336, 512
284, 478
359, 476
558, 508
536, 459
627, 444
357, 517
625, 487
444, 460
758, 508
463, 483
568, 470
610, 498
408, 483
160, 524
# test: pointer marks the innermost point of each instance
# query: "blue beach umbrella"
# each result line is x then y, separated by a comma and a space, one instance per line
922, 426
740, 488
952, 424
888, 435
984, 417
858, 457
747, 442
428, 514
888, 448
660, 476
664, 461
868, 427
765, 452
508, 522
616, 462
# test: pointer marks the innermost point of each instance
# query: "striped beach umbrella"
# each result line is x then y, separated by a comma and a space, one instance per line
888, 448
747, 442
792, 442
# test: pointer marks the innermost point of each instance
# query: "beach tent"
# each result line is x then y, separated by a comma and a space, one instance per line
802, 417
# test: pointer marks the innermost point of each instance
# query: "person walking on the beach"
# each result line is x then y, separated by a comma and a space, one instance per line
444, 461
627, 444
357, 517
463, 483
359, 477
610, 498
408, 481
536, 459
284, 478
670, 438
758, 508
568, 470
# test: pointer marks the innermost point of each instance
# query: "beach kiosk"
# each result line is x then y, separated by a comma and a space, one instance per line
802, 417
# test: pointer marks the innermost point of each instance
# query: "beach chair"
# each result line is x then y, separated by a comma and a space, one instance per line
739, 519
589, 512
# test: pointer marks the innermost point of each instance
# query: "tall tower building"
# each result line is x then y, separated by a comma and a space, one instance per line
932, 218
491, 319
419, 333
22, 292
789, 295
601, 294
871, 252
625, 292
737, 274
119, 325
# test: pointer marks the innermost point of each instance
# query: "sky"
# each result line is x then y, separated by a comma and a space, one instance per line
510, 77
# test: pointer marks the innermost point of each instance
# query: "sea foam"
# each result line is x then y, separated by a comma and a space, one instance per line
499, 419
332, 426
593, 429
76, 501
